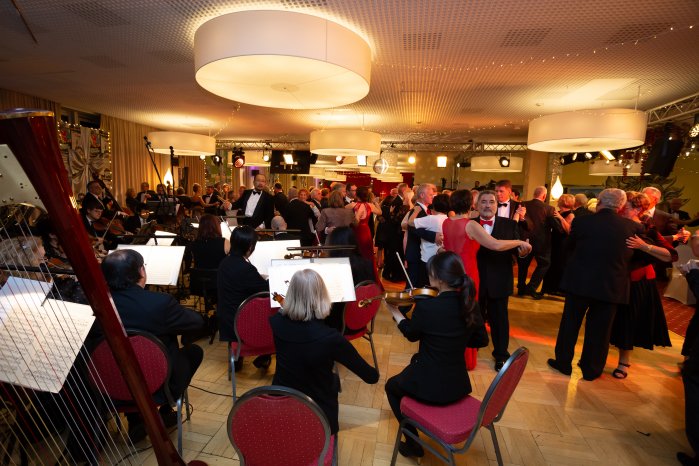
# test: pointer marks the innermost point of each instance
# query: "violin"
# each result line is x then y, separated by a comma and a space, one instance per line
113, 226
278, 298
402, 298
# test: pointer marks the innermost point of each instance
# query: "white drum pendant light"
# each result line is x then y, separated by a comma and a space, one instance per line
588, 130
281, 59
182, 143
345, 142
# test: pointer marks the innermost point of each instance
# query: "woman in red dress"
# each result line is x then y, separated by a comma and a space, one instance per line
464, 236
363, 208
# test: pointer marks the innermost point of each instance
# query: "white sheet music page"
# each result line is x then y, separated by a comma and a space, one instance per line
162, 264
164, 238
335, 272
266, 251
39, 342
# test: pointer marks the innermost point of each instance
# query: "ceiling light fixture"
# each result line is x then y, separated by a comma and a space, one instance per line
442, 161
362, 160
588, 130
615, 169
300, 62
266, 152
238, 157
288, 158
607, 155
411, 160
183, 144
557, 188
345, 142
339, 159
491, 163
588, 155
505, 161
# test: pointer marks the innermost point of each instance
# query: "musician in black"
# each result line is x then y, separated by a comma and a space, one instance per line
159, 314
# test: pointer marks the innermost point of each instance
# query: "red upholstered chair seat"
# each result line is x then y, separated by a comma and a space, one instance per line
452, 423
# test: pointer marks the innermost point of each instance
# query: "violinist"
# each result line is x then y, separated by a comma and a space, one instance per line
444, 325
91, 214
96, 191
141, 216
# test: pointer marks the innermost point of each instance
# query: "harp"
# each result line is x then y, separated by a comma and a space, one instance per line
32, 171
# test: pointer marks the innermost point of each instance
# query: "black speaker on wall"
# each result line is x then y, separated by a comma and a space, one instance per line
664, 153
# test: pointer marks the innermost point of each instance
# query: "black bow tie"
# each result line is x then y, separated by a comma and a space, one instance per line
502, 205
256, 192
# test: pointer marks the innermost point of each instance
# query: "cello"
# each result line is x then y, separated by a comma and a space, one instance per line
29, 148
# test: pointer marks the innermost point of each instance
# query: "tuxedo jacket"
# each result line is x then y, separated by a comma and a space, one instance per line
264, 211
514, 205
153, 196
495, 267
598, 264
540, 221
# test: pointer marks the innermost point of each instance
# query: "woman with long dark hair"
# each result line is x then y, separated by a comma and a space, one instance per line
444, 326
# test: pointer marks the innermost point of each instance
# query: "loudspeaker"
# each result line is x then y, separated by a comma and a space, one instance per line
663, 156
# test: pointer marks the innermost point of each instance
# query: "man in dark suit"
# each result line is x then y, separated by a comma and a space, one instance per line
256, 204
159, 314
540, 220
666, 225
394, 239
417, 270
281, 202
580, 207
300, 216
496, 277
596, 280
507, 207
146, 194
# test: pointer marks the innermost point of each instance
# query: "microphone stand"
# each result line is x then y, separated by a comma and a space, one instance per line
151, 153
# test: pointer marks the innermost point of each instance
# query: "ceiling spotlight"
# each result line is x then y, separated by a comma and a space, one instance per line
339, 159
238, 161
442, 161
411, 160
266, 150
216, 159
607, 155
504, 161
288, 158
562, 160
265, 157
203, 157
588, 156
361, 160
575, 157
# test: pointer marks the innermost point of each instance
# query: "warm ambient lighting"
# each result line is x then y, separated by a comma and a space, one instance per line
281, 59
614, 169
411, 160
182, 143
557, 189
588, 130
345, 142
491, 163
288, 158
442, 161
607, 155
361, 160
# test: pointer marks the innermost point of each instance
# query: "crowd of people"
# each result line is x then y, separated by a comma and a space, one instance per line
464, 244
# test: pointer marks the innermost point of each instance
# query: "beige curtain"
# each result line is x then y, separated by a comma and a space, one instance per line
131, 164
11, 99
195, 170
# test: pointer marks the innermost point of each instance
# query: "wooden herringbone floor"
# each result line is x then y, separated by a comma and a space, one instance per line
551, 419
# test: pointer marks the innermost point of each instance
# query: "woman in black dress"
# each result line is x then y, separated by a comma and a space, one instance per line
642, 322
565, 217
208, 250
444, 326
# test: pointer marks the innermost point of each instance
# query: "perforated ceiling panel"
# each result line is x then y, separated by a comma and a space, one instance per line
442, 70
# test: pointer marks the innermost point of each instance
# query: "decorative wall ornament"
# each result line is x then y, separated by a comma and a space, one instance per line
86, 154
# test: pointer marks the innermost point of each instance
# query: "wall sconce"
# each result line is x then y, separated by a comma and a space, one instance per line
442, 161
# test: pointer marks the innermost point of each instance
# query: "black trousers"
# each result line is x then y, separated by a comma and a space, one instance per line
417, 271
691, 409
543, 262
494, 311
185, 362
598, 328
693, 327
394, 393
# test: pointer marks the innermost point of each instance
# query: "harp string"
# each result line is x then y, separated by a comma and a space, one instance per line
76, 392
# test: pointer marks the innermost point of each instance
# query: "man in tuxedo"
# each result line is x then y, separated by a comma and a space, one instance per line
281, 202
540, 221
146, 194
496, 277
507, 207
596, 281
417, 270
159, 314
666, 225
256, 204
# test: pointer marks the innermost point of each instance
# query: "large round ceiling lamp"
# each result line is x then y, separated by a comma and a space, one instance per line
602, 168
281, 59
588, 130
345, 142
190, 144
492, 163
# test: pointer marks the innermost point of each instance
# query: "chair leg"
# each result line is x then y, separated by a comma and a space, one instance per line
186, 404
491, 428
232, 374
373, 351
395, 445
179, 425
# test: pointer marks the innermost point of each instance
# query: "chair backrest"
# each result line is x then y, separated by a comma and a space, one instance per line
503, 387
359, 317
278, 425
202, 279
252, 327
152, 356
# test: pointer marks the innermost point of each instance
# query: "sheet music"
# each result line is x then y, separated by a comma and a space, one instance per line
266, 251
39, 343
227, 230
335, 272
165, 238
162, 264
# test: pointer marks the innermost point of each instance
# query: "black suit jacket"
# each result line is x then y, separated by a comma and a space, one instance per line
237, 280
306, 354
514, 205
540, 221
264, 211
665, 223
437, 373
156, 313
298, 215
598, 264
495, 267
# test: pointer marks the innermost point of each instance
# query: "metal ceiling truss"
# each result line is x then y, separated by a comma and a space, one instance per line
385, 146
680, 108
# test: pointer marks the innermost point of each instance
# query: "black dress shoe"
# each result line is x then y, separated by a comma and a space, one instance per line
169, 416
521, 293
535, 294
559, 367
137, 432
262, 362
411, 449
686, 460
498, 365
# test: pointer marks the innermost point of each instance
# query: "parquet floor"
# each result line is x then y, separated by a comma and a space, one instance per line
552, 419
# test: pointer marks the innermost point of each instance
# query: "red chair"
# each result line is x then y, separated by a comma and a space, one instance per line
252, 330
278, 425
105, 375
359, 321
459, 422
